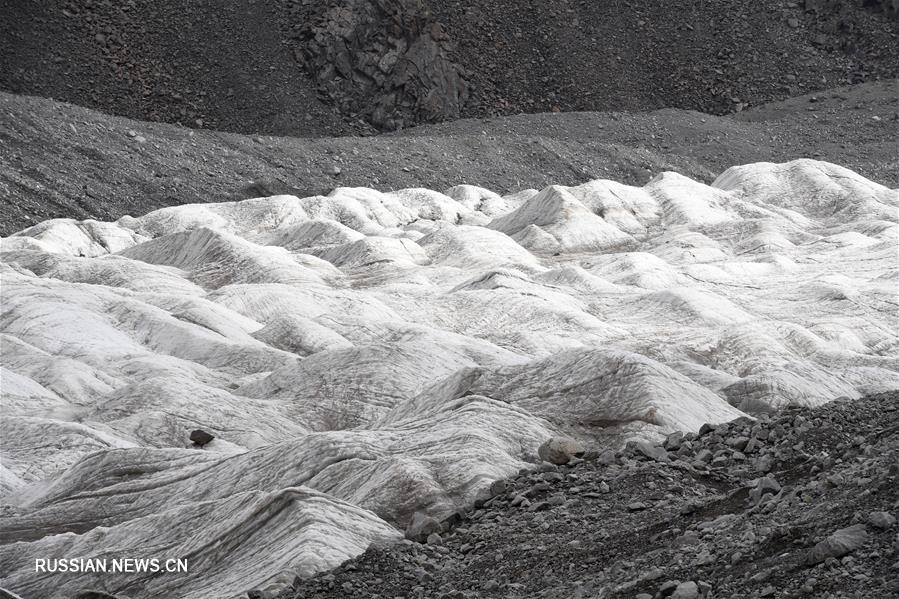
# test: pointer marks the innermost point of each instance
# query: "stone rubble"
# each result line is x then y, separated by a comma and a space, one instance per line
805, 509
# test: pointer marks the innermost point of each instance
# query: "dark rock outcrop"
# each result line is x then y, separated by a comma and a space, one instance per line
560, 450
383, 61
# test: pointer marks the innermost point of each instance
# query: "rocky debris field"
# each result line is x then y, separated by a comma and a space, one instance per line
333, 67
797, 504
58, 160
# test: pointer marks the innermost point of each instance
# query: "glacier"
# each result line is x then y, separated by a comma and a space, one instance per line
365, 356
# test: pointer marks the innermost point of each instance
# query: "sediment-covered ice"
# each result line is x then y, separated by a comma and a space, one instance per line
363, 356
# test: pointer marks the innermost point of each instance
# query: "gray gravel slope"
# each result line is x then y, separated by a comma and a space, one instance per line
60, 160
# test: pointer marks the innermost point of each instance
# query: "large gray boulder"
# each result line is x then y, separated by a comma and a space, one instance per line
838, 544
560, 450
421, 526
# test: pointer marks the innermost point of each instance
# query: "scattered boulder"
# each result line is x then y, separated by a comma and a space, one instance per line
91, 594
605, 457
668, 588
673, 441
738, 443
421, 525
764, 486
881, 520
498, 487
201, 437
653, 452
840, 543
552, 477
560, 450
686, 590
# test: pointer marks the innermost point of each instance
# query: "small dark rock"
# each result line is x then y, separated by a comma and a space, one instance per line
666, 589
673, 441
201, 437
552, 477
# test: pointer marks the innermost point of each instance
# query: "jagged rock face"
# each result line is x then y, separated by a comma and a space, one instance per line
384, 61
363, 357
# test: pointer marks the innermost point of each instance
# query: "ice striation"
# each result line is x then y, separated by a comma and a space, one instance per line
363, 356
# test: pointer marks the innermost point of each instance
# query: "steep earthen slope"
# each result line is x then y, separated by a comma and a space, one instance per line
298, 67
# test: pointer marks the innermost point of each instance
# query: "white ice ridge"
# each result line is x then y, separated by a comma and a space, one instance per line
364, 355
